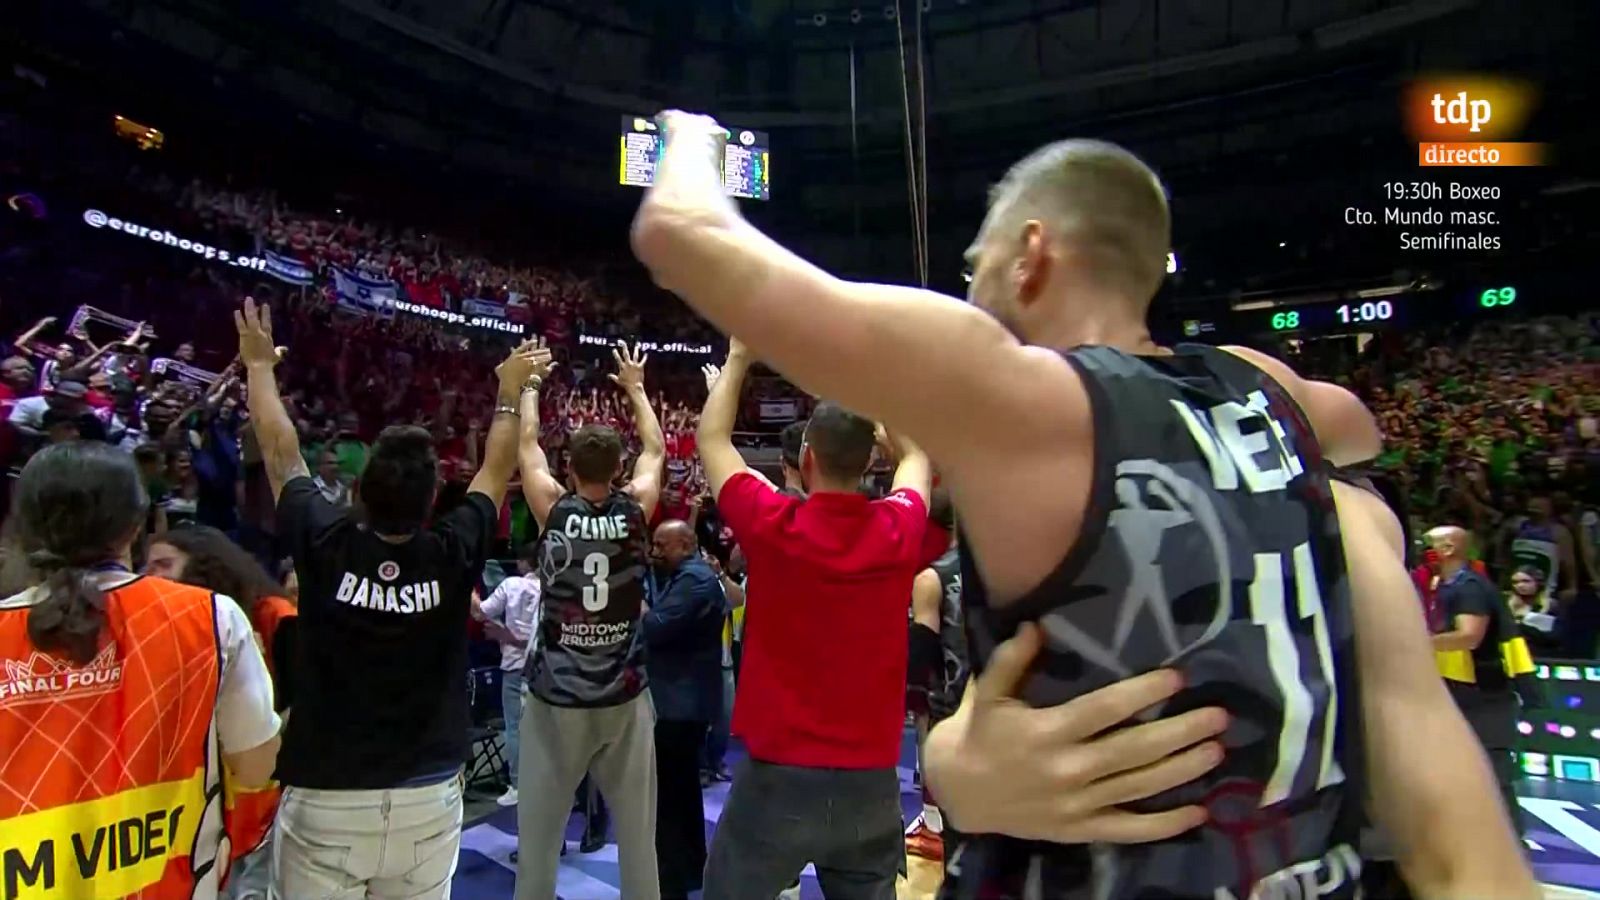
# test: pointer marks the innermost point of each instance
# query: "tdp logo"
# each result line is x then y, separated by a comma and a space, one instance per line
1459, 110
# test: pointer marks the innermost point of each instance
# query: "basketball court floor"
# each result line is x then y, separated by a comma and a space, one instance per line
1561, 828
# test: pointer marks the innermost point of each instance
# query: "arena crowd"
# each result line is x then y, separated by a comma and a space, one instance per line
374, 464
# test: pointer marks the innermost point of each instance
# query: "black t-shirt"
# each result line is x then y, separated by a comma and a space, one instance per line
379, 675
1471, 594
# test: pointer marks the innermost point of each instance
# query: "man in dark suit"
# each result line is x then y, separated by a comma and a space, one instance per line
683, 631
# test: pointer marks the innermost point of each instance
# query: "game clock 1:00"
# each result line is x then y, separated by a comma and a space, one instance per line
1387, 312
1322, 316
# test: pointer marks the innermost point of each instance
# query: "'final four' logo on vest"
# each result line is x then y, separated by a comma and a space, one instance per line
41, 678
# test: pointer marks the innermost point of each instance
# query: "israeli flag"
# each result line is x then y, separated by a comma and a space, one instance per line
287, 268
474, 307
364, 293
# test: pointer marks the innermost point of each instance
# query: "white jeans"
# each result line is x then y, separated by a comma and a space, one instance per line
398, 844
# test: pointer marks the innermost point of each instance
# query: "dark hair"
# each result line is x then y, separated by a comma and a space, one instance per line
218, 564
54, 417
595, 452
399, 480
529, 553
840, 441
76, 505
148, 453
794, 436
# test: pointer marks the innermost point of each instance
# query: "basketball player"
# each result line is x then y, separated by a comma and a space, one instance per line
1196, 480
586, 709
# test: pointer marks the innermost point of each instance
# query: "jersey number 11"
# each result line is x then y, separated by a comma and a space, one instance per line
1269, 608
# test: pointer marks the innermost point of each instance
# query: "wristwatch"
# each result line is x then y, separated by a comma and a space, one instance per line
533, 383
507, 408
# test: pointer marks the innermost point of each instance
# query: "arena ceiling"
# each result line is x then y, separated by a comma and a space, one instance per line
1292, 92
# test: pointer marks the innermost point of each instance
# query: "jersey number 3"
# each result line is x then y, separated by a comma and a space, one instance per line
597, 595
1269, 608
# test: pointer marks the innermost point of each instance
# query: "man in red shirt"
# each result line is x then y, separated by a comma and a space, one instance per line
821, 702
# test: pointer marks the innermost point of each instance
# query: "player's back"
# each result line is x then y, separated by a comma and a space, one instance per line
1210, 545
588, 650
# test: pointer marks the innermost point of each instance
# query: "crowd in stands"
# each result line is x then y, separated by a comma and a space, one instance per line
1478, 421
1496, 428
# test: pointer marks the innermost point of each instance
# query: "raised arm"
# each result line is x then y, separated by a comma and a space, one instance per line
900, 355
1440, 808
714, 436
83, 367
913, 471
539, 487
275, 433
500, 450
24, 342
646, 484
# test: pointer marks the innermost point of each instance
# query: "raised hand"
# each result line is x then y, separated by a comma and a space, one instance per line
255, 335
529, 359
630, 366
712, 373
675, 123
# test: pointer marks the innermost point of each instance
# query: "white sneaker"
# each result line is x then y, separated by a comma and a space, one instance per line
509, 798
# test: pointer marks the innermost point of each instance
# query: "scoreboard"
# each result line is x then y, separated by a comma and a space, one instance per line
744, 165
1354, 314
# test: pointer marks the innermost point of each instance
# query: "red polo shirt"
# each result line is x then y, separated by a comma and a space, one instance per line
823, 679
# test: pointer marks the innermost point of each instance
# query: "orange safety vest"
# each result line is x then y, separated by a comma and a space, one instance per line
110, 780
250, 813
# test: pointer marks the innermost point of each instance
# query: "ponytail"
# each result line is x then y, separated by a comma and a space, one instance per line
69, 619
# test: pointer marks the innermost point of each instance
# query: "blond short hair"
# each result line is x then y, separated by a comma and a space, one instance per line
1103, 200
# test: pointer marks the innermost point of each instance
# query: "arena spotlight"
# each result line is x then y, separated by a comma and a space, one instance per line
1172, 263
144, 136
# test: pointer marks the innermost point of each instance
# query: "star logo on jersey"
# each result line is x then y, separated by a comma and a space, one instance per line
1150, 624
42, 678
389, 571
556, 555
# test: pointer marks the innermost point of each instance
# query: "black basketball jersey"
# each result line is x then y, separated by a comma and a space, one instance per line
951, 678
589, 649
1210, 544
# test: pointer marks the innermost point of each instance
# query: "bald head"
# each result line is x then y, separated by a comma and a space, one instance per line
1101, 203
674, 542
1451, 542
